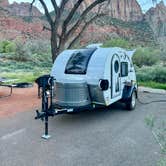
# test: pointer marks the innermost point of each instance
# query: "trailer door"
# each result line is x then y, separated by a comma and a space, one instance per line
115, 75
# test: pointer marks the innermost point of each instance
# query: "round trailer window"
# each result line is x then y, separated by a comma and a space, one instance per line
116, 66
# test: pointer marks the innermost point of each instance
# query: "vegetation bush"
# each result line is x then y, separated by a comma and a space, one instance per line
42, 58
39, 47
162, 162
146, 57
11, 47
29, 61
3, 45
117, 43
24, 71
22, 52
7, 46
157, 125
28, 66
155, 74
163, 57
33, 50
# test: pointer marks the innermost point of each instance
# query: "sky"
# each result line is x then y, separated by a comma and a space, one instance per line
145, 4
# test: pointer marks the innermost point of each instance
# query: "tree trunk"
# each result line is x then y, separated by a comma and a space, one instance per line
54, 48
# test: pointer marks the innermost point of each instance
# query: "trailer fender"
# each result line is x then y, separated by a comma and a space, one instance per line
127, 92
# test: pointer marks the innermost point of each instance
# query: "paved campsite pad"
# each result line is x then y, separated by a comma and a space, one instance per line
102, 138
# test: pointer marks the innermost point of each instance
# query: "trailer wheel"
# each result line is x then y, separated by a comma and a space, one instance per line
131, 103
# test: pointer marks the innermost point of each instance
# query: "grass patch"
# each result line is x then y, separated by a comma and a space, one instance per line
152, 84
24, 76
24, 71
157, 126
162, 162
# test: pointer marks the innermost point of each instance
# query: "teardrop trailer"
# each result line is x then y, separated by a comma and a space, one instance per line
87, 78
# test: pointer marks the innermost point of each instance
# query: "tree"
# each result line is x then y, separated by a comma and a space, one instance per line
65, 32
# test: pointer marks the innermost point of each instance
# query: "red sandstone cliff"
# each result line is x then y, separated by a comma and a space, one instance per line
126, 10
23, 9
13, 23
156, 16
4, 3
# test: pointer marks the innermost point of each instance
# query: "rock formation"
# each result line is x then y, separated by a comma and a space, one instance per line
23, 9
4, 3
126, 10
156, 17
15, 21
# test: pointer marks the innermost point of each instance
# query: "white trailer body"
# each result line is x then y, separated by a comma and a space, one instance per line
94, 76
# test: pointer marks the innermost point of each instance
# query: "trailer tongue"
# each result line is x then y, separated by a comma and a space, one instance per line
47, 85
48, 107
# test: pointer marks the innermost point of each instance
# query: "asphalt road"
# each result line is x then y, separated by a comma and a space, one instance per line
107, 137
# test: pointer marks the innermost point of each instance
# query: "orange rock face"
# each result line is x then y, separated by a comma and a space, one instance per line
4, 3
126, 10
13, 28
156, 16
23, 9
13, 25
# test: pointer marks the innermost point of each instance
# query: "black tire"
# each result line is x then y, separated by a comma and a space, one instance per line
131, 103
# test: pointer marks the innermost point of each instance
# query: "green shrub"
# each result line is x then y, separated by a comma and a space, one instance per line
11, 47
37, 51
22, 53
163, 57
146, 57
7, 46
162, 162
39, 47
1, 48
155, 74
117, 43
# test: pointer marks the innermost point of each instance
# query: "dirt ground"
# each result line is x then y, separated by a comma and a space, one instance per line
22, 99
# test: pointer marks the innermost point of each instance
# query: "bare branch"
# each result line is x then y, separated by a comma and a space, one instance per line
63, 3
84, 28
49, 29
46, 12
46, 28
31, 5
56, 8
71, 14
30, 8
82, 17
